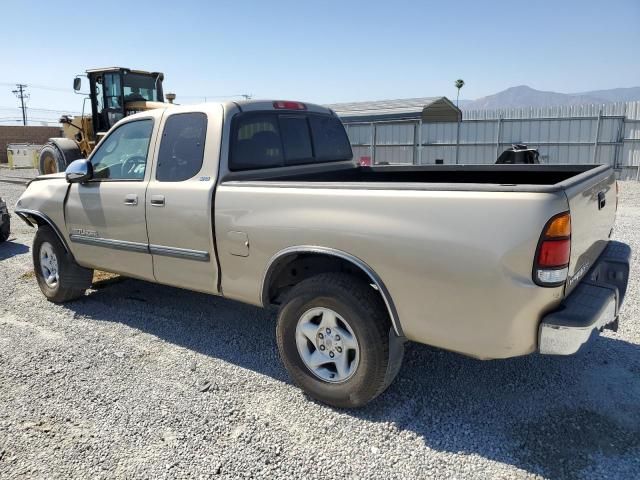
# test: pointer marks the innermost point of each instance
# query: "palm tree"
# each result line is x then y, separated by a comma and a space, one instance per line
459, 84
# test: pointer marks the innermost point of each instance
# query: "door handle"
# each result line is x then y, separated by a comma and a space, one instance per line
157, 200
131, 199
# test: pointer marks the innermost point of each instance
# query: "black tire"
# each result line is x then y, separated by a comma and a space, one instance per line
5, 228
51, 160
73, 279
381, 351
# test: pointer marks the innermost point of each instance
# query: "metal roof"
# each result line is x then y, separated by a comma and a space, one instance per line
129, 70
429, 109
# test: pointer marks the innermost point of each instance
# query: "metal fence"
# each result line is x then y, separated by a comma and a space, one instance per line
607, 134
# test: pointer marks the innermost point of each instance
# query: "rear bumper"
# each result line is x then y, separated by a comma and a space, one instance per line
593, 305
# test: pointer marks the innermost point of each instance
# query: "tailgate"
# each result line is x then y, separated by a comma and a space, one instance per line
592, 204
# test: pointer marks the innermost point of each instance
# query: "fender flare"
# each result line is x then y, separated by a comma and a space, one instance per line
360, 264
31, 217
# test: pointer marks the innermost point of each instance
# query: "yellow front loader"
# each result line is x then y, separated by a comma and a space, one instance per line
113, 94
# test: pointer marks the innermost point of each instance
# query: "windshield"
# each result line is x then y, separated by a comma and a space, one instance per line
140, 87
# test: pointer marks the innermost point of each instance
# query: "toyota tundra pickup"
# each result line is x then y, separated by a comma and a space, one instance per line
261, 202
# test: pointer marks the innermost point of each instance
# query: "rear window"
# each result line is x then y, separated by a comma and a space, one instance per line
256, 143
329, 138
296, 139
271, 139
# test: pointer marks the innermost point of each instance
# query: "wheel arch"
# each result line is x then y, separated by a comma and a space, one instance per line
35, 218
281, 263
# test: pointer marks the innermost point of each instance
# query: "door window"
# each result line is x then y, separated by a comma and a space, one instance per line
123, 154
182, 147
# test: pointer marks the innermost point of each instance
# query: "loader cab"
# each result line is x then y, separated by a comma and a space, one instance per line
118, 92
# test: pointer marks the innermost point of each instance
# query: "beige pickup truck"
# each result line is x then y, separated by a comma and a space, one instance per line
261, 202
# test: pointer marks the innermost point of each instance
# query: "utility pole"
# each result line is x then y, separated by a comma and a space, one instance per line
20, 93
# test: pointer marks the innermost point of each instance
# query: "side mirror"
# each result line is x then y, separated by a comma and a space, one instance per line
79, 171
77, 84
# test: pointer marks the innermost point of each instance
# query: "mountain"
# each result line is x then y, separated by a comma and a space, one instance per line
524, 96
615, 94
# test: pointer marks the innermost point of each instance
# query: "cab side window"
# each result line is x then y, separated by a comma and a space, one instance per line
182, 147
123, 154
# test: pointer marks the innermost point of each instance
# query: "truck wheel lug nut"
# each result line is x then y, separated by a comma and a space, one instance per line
320, 335
339, 349
322, 347
337, 337
331, 354
328, 330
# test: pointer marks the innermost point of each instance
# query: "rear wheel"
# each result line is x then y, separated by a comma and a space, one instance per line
336, 340
51, 160
59, 277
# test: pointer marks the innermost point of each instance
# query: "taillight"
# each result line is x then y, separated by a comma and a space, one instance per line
288, 105
551, 265
554, 253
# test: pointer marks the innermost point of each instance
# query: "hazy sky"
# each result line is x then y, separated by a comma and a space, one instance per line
320, 51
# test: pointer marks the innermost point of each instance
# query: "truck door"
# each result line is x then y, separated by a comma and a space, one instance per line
180, 201
105, 217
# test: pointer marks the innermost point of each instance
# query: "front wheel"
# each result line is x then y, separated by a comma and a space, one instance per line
336, 340
59, 277
50, 161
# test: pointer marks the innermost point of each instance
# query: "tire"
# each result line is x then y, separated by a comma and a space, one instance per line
369, 367
66, 280
51, 160
5, 228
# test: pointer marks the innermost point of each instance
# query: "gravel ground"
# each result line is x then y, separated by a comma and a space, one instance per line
145, 381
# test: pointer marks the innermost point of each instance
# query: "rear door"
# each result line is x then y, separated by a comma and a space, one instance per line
105, 217
592, 204
179, 203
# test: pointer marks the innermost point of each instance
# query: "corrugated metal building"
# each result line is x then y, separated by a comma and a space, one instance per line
432, 130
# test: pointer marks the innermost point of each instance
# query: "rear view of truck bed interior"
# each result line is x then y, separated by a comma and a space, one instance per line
487, 174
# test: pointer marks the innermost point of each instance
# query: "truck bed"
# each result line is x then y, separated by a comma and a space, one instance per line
438, 177
454, 245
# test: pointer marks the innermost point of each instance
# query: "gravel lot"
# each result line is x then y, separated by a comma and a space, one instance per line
146, 381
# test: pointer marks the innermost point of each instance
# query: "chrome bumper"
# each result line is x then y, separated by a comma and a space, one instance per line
591, 307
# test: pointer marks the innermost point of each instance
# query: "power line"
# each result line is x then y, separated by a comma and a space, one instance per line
19, 120
40, 87
246, 96
36, 109
20, 93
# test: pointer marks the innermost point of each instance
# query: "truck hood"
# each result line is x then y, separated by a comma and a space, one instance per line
49, 176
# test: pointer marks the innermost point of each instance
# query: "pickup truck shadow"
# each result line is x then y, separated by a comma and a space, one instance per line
557, 417
10, 249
